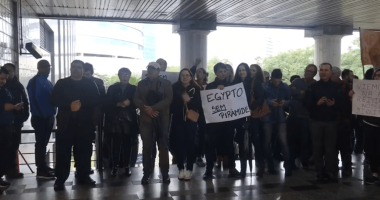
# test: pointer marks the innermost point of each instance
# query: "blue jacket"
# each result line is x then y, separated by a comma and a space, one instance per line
39, 91
281, 93
6, 117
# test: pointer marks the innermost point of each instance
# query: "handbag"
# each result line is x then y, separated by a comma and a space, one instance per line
191, 115
261, 111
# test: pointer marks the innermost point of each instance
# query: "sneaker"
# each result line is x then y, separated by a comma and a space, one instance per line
165, 179
200, 162
49, 169
59, 186
371, 180
14, 174
4, 184
188, 175
45, 175
181, 174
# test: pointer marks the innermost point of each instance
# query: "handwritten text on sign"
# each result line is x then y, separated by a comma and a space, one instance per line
225, 105
170, 76
366, 100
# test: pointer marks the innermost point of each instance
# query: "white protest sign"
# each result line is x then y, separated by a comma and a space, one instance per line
170, 76
366, 100
225, 105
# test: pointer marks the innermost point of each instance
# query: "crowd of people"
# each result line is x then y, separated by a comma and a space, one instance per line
308, 120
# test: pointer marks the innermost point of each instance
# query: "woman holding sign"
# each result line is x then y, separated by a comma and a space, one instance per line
185, 107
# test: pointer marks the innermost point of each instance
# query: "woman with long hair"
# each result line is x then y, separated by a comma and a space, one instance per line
257, 93
121, 119
230, 73
202, 79
243, 75
186, 96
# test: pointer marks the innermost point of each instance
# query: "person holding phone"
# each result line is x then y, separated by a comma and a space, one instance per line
277, 96
324, 100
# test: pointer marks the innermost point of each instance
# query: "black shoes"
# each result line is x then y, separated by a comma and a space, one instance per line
86, 180
4, 184
114, 172
233, 173
14, 174
288, 173
200, 162
165, 178
372, 180
45, 174
128, 171
59, 186
260, 172
208, 175
145, 180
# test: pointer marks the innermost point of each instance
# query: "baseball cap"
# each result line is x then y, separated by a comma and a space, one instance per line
154, 64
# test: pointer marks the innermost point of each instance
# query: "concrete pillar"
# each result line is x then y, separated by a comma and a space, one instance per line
328, 49
193, 35
328, 42
193, 46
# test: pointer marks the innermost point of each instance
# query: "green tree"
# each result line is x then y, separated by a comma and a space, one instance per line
173, 69
291, 62
352, 59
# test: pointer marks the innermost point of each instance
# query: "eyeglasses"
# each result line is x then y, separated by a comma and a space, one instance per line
125, 75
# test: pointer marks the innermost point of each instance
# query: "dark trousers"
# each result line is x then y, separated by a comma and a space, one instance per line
73, 136
359, 136
272, 136
121, 143
185, 144
372, 146
5, 146
15, 143
299, 138
344, 144
257, 139
324, 137
200, 147
215, 131
43, 128
149, 144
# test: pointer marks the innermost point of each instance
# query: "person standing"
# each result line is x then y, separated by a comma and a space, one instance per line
76, 98
323, 99
7, 109
277, 95
298, 120
43, 111
18, 93
219, 130
186, 96
153, 97
121, 120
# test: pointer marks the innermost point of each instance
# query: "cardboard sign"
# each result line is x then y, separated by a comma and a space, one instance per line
170, 76
366, 100
225, 105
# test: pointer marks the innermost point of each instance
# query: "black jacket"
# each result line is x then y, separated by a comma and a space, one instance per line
218, 82
18, 93
6, 117
65, 92
115, 95
177, 106
316, 91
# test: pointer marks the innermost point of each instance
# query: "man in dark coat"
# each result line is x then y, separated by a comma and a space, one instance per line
17, 91
76, 98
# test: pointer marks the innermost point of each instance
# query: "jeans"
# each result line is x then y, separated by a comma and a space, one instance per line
281, 137
200, 147
43, 128
15, 143
5, 145
121, 143
149, 145
324, 136
215, 131
185, 144
75, 136
299, 138
344, 144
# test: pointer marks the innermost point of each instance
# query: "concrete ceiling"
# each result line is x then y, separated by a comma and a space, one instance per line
255, 13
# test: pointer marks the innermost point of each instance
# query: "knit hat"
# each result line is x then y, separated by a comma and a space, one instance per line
276, 74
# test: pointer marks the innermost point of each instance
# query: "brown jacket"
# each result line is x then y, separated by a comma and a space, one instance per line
164, 86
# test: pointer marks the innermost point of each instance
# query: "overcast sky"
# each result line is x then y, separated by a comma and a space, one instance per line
237, 44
